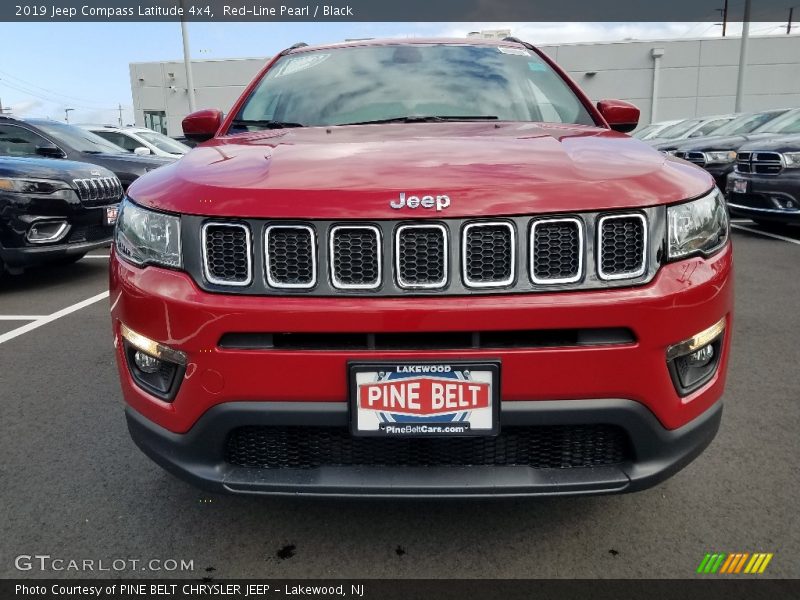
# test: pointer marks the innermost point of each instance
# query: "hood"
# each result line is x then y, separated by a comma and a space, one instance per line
50, 168
786, 143
356, 171
720, 142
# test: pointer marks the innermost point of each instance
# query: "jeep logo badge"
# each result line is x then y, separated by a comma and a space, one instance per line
437, 202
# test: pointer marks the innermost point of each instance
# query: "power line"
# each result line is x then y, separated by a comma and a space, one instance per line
22, 82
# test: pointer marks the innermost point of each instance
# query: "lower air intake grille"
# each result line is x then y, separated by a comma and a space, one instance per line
291, 256
356, 255
226, 253
623, 240
421, 256
488, 254
556, 250
539, 447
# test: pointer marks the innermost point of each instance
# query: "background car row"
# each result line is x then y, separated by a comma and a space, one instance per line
754, 158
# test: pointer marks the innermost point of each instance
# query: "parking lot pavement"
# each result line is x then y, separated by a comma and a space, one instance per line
73, 485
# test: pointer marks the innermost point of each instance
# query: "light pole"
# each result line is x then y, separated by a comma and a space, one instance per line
187, 62
743, 57
66, 114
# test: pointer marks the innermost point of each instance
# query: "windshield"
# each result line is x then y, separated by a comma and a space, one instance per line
711, 127
163, 143
79, 139
746, 123
375, 83
787, 123
679, 129
642, 133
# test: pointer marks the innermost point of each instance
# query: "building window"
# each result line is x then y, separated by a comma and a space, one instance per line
156, 120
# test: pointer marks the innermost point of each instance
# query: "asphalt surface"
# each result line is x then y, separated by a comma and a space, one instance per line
73, 485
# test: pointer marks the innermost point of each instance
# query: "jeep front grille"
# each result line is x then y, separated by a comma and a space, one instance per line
447, 256
291, 257
556, 250
226, 254
623, 243
355, 255
99, 190
421, 256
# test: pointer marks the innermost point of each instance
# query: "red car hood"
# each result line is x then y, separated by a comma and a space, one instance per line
356, 171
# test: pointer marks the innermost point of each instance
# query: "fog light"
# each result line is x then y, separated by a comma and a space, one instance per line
45, 232
156, 368
701, 357
147, 363
693, 362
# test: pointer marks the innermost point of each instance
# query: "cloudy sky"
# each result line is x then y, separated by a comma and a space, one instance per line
47, 68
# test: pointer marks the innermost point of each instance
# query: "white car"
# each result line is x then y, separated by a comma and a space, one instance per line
652, 130
140, 140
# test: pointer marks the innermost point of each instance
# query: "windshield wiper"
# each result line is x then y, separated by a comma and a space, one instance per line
264, 124
428, 119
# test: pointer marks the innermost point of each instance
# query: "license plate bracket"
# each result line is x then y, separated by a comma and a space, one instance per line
740, 186
424, 398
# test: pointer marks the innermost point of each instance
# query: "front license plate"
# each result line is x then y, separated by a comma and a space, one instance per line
424, 399
111, 214
740, 186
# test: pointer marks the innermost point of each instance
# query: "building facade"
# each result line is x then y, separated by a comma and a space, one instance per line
668, 79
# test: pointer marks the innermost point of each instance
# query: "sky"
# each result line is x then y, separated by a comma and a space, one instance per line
46, 68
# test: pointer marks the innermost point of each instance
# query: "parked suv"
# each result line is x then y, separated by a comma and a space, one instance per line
53, 211
765, 185
422, 268
717, 153
53, 139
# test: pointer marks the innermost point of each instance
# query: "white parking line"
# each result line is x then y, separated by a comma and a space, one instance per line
50, 318
768, 234
21, 317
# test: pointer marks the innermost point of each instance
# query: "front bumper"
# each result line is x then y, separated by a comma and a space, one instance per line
32, 256
767, 197
199, 455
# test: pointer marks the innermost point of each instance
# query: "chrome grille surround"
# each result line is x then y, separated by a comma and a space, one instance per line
313, 258
333, 255
204, 239
465, 260
328, 284
532, 244
606, 276
759, 162
399, 256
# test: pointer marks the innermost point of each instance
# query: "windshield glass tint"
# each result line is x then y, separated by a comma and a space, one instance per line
163, 143
79, 139
787, 123
353, 85
679, 129
746, 124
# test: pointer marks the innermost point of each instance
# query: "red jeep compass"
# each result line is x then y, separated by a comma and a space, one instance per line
422, 268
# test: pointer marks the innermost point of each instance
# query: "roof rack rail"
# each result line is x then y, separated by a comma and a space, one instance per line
511, 38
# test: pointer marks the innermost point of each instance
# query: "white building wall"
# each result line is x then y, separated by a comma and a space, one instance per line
697, 77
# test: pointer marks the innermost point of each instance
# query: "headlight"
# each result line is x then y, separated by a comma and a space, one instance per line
720, 157
791, 160
700, 226
147, 237
32, 186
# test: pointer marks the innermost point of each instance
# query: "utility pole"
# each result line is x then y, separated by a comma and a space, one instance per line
724, 12
743, 56
66, 114
789, 24
120, 115
187, 62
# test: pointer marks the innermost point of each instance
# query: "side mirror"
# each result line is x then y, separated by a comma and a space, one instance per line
141, 151
620, 115
50, 151
202, 125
